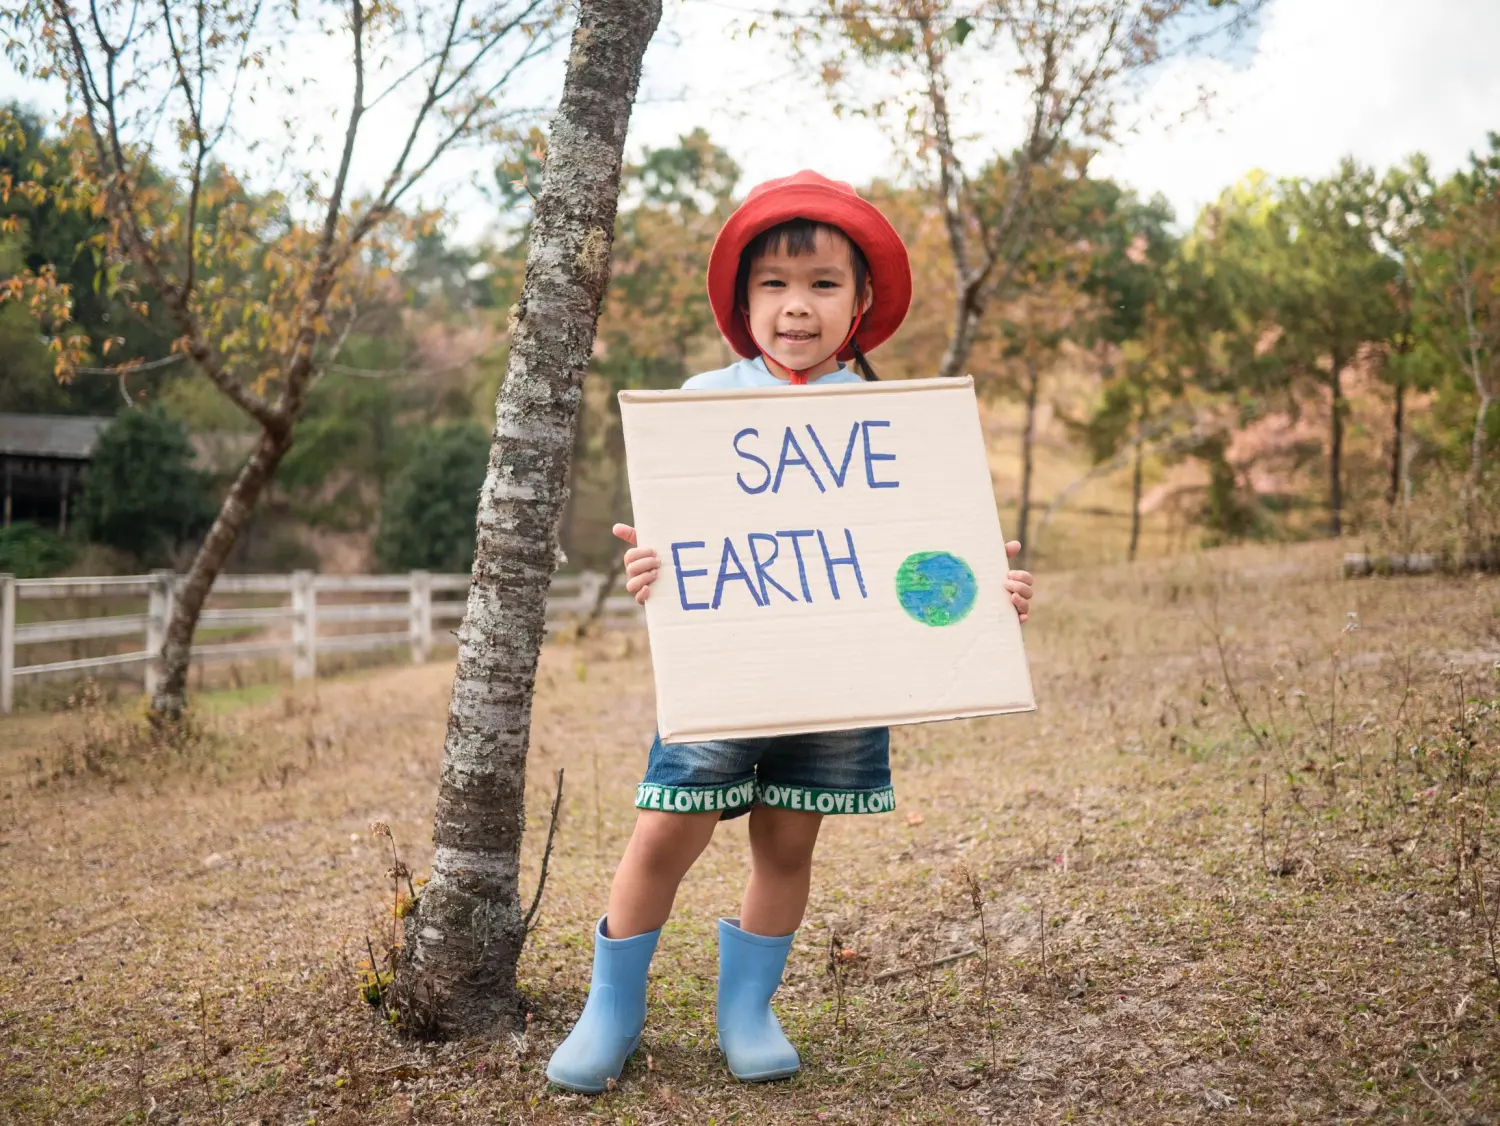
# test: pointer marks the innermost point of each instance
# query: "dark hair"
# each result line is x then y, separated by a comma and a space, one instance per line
798, 237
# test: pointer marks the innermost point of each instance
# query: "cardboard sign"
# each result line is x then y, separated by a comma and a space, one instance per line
831, 558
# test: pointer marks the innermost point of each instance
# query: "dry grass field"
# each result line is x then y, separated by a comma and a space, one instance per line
1242, 865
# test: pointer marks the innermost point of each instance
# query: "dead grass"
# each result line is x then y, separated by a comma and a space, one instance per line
1187, 913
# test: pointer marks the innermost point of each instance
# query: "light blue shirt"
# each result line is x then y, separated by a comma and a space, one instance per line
754, 373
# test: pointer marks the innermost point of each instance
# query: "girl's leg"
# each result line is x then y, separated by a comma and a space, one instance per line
661, 850
753, 948
781, 852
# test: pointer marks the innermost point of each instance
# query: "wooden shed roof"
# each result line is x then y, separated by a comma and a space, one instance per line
50, 435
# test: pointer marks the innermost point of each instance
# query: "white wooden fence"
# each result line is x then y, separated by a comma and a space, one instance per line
415, 619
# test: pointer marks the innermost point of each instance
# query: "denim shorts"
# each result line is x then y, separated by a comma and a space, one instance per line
820, 772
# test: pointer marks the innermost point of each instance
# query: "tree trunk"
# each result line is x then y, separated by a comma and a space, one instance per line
1336, 451
458, 970
1398, 436
1135, 489
171, 694
1476, 443
1028, 433
961, 340
1476, 468
616, 558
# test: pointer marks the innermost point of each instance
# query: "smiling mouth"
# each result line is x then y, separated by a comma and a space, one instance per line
798, 337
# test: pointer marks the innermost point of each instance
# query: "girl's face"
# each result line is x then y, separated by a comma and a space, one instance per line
801, 306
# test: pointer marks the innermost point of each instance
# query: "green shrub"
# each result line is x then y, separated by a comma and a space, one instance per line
143, 495
30, 552
427, 514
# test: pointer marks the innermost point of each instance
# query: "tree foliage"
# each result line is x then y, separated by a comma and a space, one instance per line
1311, 287
1457, 266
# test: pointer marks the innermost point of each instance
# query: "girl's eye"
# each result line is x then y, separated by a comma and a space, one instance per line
825, 284
772, 283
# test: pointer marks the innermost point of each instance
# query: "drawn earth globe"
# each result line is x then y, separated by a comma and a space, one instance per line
936, 588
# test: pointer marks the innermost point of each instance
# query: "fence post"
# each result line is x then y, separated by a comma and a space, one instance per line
158, 614
421, 616
304, 626
7, 642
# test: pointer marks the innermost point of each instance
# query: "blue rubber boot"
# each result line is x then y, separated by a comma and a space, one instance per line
613, 1017
750, 1036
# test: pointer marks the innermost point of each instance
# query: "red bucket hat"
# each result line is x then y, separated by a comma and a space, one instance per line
808, 195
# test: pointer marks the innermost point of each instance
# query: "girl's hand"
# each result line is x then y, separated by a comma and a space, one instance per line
1017, 582
642, 566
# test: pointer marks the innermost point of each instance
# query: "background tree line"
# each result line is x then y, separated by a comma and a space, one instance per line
1157, 346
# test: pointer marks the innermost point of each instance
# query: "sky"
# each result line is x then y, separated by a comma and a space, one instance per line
1376, 79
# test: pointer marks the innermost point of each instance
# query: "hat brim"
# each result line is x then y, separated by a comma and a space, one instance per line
890, 270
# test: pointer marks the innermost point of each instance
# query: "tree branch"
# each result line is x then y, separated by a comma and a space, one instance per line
329, 259
486, 44
950, 174
390, 193
356, 112
465, 122
541, 882
239, 69
427, 103
194, 115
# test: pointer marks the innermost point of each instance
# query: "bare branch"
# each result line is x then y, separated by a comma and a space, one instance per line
405, 75
465, 122
486, 44
950, 175
330, 259
135, 10
440, 56
190, 245
390, 192
1090, 80
336, 197
109, 49
541, 883
428, 102
239, 69
130, 367
322, 369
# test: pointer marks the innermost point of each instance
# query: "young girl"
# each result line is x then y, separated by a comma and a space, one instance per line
805, 273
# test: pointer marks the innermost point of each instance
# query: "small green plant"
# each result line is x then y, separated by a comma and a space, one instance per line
30, 552
375, 983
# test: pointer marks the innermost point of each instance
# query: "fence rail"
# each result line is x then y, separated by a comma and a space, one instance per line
571, 597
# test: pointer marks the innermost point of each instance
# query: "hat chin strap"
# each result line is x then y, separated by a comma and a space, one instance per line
799, 378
